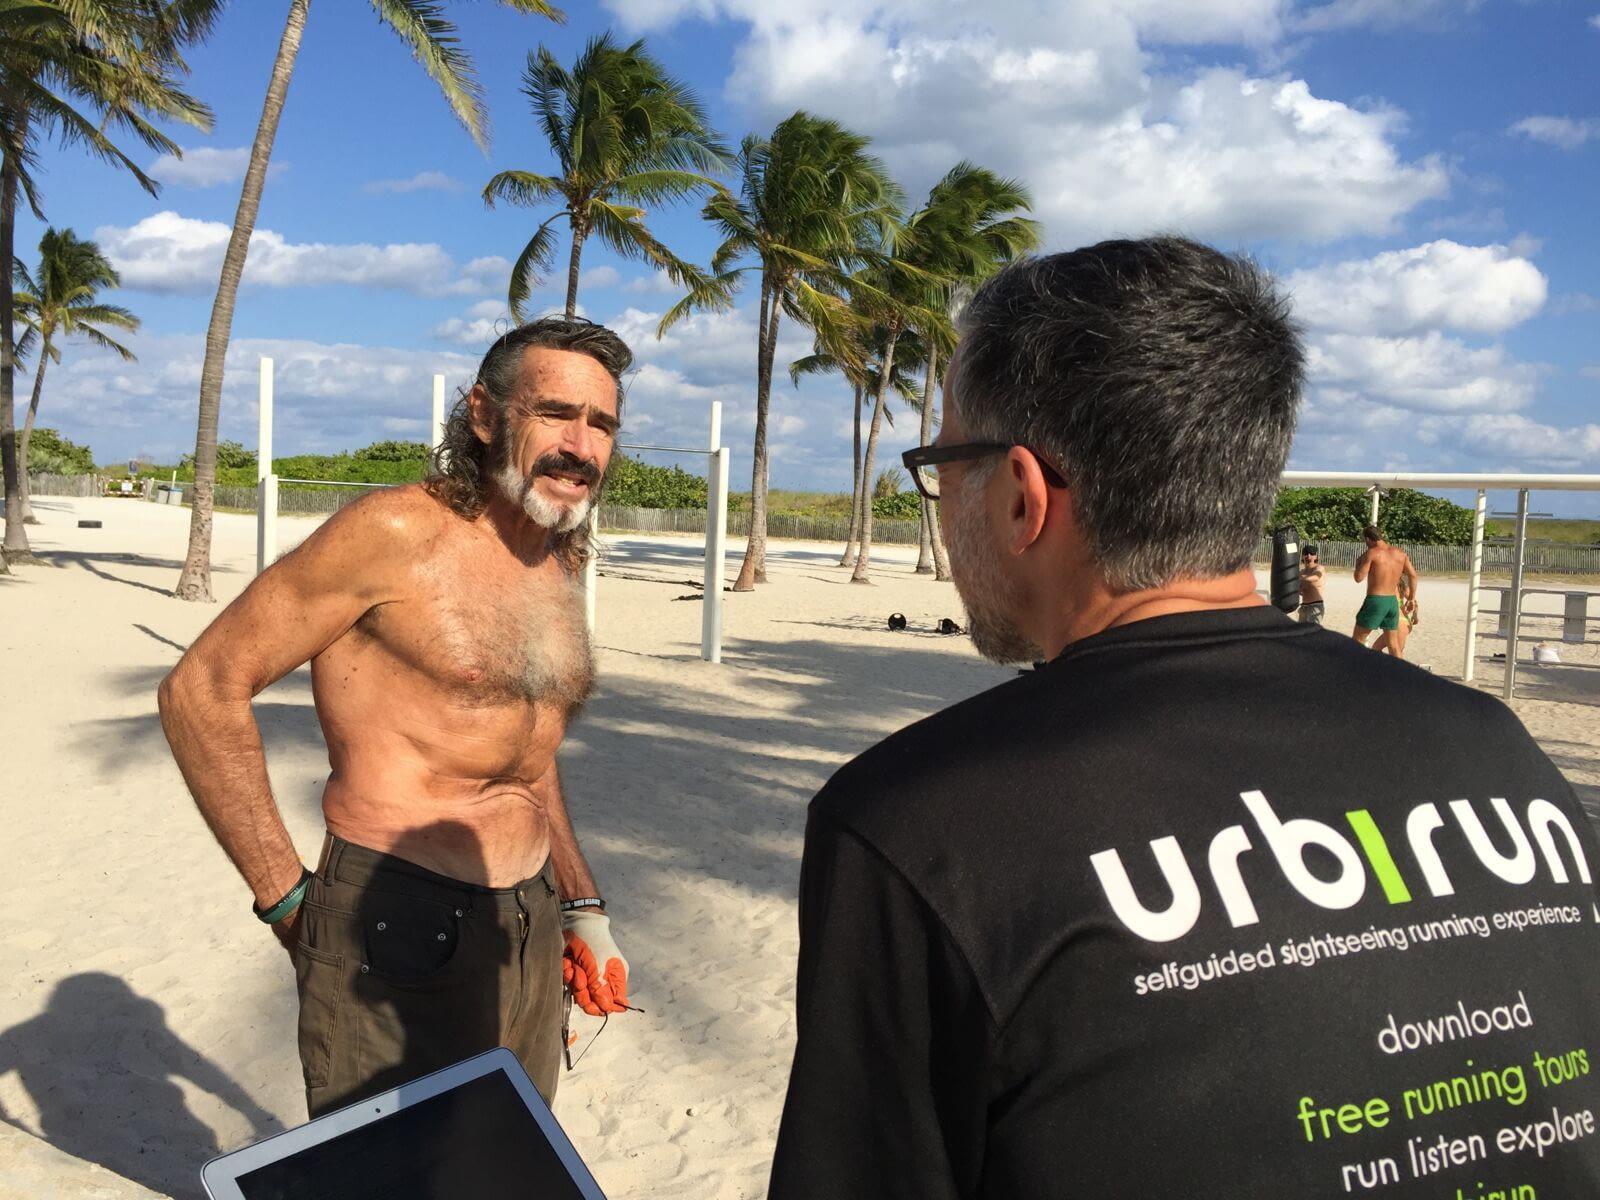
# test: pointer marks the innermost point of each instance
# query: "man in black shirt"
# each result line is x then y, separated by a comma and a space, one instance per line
1097, 932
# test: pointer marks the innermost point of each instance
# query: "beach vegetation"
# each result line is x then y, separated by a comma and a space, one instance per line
60, 299
627, 137
434, 44
643, 485
1405, 516
809, 198
84, 72
51, 454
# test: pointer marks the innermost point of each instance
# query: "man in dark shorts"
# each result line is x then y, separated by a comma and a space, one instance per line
1310, 611
1097, 931
1386, 570
444, 624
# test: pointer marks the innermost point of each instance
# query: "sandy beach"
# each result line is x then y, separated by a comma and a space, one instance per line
147, 1021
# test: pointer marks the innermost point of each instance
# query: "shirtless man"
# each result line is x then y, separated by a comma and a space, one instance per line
1311, 574
1384, 567
444, 626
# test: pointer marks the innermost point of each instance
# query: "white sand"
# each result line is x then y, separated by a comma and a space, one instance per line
147, 1020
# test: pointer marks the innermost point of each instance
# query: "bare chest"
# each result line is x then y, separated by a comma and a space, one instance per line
492, 637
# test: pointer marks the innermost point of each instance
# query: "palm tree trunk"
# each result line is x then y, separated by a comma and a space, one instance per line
754, 568
15, 548
925, 536
864, 558
578, 234
854, 537
27, 432
195, 582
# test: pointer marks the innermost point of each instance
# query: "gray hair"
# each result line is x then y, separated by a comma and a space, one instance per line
1160, 376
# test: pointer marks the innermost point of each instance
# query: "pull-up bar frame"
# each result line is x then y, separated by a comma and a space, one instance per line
716, 506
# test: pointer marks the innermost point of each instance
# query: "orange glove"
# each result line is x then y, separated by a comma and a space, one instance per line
591, 965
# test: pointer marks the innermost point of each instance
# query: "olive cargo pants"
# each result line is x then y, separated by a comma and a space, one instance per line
402, 971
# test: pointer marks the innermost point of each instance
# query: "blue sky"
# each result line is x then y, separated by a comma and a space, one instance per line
1421, 173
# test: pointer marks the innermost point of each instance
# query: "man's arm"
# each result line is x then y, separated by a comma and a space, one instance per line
592, 967
1409, 573
886, 1093
289, 614
1362, 563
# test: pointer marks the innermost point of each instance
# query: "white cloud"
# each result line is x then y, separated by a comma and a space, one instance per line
1380, 14
598, 277
478, 332
205, 166
1594, 21
1424, 373
327, 396
1440, 285
171, 253
1071, 98
1564, 132
435, 181
657, 284
1512, 437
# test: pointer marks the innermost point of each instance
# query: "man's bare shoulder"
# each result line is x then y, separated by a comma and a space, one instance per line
379, 533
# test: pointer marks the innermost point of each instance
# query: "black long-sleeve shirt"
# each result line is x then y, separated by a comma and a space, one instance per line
1214, 905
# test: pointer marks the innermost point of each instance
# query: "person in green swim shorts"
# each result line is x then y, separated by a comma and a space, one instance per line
1382, 567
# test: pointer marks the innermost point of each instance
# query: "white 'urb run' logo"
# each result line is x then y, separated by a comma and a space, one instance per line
1288, 840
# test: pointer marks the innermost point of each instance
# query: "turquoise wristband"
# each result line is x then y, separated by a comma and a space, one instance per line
288, 904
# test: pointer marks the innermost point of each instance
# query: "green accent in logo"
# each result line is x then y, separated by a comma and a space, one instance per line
1377, 852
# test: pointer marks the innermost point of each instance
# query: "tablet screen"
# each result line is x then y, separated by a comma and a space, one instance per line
473, 1142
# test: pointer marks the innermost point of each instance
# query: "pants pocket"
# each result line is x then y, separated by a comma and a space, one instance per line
319, 980
408, 942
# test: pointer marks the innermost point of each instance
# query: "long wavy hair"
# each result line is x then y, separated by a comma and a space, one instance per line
464, 466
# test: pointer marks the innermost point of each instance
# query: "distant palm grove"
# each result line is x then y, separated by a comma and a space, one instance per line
810, 226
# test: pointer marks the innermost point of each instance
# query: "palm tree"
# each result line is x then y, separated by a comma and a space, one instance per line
968, 230
74, 69
432, 41
625, 134
861, 371
807, 197
59, 301
901, 291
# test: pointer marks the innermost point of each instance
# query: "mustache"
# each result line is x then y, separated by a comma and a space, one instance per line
567, 464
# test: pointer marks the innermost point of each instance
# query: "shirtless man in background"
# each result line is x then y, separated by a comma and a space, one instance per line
1384, 567
445, 629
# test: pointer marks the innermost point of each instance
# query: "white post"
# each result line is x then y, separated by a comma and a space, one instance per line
266, 481
1474, 583
438, 410
591, 571
716, 540
1515, 598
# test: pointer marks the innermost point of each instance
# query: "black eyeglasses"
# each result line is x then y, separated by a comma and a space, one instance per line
924, 461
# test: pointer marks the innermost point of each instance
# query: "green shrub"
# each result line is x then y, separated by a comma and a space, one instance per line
50, 453
898, 506
640, 485
1405, 515
394, 452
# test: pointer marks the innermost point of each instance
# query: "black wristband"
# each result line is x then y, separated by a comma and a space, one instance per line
583, 902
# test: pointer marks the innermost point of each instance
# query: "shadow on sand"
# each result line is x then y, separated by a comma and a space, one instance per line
92, 561
101, 1066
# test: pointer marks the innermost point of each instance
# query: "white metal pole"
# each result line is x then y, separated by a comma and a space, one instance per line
716, 555
1375, 494
716, 540
266, 481
438, 410
1475, 580
591, 571
1515, 599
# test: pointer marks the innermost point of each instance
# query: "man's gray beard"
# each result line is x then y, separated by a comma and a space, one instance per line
975, 565
544, 513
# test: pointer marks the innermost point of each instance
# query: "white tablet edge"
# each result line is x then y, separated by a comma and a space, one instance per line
220, 1175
